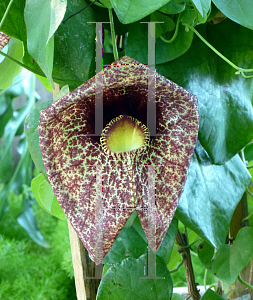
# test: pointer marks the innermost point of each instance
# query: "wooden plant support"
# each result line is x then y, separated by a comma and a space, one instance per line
86, 289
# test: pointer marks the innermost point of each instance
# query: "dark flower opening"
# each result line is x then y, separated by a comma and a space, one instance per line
123, 134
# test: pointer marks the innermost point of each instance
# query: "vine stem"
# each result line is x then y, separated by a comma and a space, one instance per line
205, 279
245, 283
175, 33
178, 266
182, 240
6, 13
249, 216
240, 70
38, 73
114, 45
190, 245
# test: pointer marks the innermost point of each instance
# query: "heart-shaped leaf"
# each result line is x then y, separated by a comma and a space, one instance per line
123, 280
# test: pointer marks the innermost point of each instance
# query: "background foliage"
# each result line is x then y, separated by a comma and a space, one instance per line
63, 51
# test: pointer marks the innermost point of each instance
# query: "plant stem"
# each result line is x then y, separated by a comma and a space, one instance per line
175, 33
181, 239
178, 266
114, 45
189, 246
205, 279
6, 13
38, 73
251, 278
248, 217
245, 283
240, 70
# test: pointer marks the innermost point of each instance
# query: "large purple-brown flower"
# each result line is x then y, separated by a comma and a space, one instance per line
124, 153
4, 39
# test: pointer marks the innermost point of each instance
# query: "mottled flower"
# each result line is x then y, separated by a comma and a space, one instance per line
123, 152
4, 39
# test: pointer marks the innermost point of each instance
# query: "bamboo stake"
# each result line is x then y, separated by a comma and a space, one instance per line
56, 90
86, 288
77, 263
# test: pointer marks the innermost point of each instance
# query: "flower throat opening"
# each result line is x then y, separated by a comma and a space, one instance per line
124, 134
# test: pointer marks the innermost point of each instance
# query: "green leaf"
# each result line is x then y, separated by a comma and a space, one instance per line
74, 46
23, 171
43, 20
205, 254
173, 7
238, 11
6, 111
128, 244
107, 3
29, 222
248, 152
137, 44
6, 158
131, 219
165, 250
202, 6
103, 14
161, 28
4, 201
189, 16
49, 200
137, 41
222, 264
129, 11
74, 60
211, 295
32, 136
45, 197
225, 99
45, 82
206, 212
240, 252
14, 22
132, 242
56, 210
13, 179
202, 20
35, 185
177, 297
8, 68
126, 284
41, 23
169, 51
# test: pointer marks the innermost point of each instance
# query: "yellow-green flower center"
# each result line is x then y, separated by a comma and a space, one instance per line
124, 134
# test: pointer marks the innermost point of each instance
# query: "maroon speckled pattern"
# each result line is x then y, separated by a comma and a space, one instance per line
4, 39
70, 157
